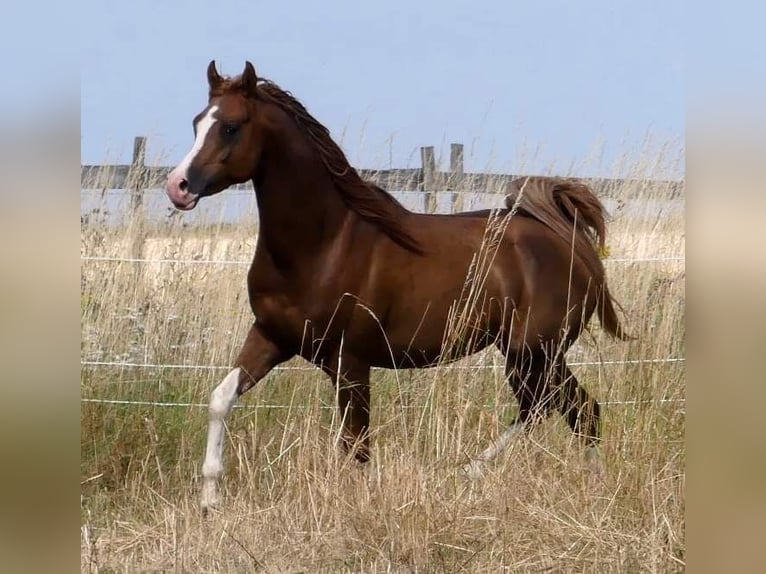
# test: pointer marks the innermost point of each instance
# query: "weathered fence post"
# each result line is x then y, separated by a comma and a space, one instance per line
137, 167
456, 177
428, 162
137, 182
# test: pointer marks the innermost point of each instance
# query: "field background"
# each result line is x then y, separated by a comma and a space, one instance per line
164, 311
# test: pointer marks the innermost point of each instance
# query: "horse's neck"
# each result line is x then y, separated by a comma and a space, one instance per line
300, 211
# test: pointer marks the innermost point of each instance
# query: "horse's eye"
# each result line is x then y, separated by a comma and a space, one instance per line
230, 130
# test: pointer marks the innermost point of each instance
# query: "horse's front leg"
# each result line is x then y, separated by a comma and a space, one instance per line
352, 380
257, 357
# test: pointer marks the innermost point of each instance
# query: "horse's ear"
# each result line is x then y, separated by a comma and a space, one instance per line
214, 79
249, 78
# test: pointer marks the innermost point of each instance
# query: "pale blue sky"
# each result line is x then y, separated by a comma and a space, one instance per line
386, 78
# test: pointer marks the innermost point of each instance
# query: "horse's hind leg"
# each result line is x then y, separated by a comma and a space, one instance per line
528, 378
581, 411
257, 357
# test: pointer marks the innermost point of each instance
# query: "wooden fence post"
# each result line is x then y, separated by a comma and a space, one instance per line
456, 176
137, 167
137, 179
428, 162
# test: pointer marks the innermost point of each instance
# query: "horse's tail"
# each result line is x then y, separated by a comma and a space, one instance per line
574, 213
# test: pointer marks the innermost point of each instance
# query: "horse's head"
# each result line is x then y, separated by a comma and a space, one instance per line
228, 141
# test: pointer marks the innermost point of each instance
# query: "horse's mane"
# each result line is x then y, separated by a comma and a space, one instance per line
368, 200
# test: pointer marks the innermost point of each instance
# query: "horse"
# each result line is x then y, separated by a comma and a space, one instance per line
347, 278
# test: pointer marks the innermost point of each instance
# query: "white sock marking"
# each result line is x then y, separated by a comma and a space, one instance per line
474, 468
222, 399
501, 443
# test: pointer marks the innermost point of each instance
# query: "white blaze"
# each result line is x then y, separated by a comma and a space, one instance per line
203, 128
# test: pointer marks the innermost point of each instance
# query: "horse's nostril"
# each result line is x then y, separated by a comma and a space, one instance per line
183, 184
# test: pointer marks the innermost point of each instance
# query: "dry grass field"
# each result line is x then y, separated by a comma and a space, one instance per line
294, 503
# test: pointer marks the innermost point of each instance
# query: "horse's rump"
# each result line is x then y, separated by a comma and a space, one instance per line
573, 212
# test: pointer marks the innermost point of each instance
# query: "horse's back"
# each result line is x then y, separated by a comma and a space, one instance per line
420, 298
468, 284
522, 272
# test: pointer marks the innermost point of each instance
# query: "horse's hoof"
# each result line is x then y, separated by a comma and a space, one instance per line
473, 470
595, 461
210, 499
207, 508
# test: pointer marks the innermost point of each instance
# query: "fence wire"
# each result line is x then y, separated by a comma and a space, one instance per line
326, 407
129, 403
123, 364
137, 403
243, 262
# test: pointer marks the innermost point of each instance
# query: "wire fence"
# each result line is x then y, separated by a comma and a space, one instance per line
101, 204
140, 403
125, 364
248, 262
129, 403
160, 366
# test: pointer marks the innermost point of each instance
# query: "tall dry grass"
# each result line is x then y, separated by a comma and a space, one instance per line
293, 502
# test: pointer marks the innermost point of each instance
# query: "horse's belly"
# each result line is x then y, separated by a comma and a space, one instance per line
437, 334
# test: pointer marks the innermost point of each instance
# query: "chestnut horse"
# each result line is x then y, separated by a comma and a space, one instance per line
347, 278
